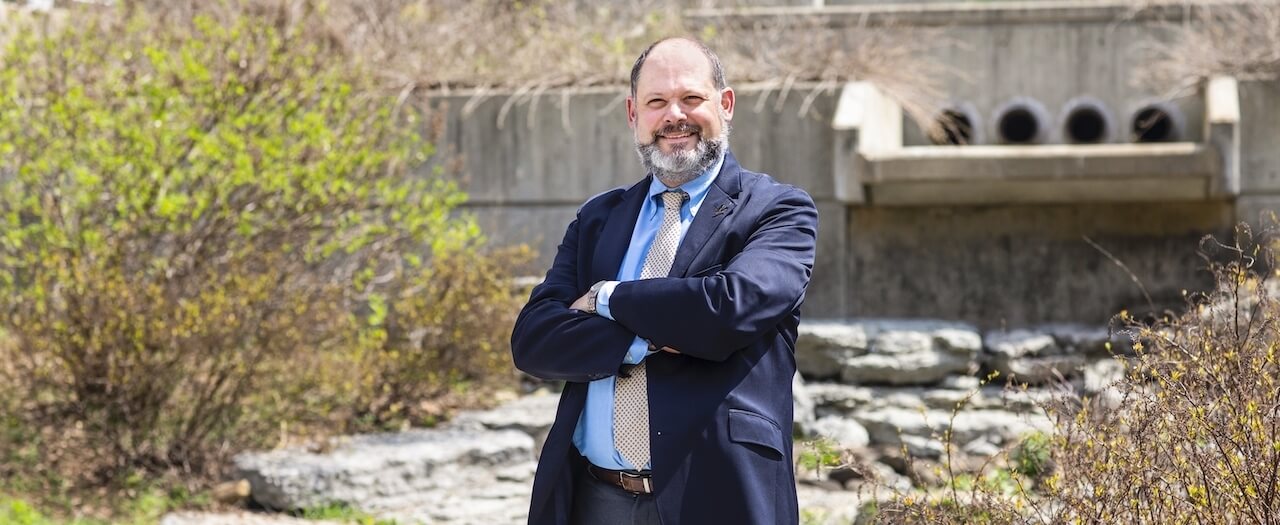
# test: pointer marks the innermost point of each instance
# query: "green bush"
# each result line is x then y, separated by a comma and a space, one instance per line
213, 230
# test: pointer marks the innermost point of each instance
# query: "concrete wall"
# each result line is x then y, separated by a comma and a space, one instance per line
990, 265
529, 162
994, 52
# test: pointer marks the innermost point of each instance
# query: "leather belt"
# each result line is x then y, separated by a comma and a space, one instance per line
635, 483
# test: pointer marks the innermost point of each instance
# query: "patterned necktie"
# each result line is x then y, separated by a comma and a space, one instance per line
631, 394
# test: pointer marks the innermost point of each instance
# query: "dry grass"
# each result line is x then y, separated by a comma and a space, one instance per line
527, 47
1242, 40
1189, 434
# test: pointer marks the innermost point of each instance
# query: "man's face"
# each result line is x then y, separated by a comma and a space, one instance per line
680, 119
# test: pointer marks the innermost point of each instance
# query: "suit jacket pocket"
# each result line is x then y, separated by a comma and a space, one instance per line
708, 270
761, 433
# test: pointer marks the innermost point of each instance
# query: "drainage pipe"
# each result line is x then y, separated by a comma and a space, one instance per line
1086, 120
1157, 122
957, 125
1022, 121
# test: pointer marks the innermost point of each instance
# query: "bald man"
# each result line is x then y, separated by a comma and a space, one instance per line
670, 312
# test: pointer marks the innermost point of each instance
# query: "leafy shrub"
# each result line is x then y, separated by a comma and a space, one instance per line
1195, 436
200, 221
1190, 434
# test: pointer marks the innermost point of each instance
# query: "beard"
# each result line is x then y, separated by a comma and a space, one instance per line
681, 166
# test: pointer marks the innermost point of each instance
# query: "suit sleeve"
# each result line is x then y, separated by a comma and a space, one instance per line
713, 316
550, 341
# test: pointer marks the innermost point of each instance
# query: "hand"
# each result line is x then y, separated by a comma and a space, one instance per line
582, 303
666, 349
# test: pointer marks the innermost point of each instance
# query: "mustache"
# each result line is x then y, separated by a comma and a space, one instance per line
677, 128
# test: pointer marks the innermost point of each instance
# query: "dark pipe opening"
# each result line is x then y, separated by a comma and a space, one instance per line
1019, 126
1086, 125
957, 129
1153, 124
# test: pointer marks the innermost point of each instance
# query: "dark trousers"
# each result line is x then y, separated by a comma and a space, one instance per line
598, 503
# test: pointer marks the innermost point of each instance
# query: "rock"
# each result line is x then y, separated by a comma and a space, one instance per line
823, 346
838, 399
889, 477
231, 492
884, 425
1037, 356
1078, 338
913, 353
532, 415
1101, 375
236, 518
818, 506
981, 447
878, 351
802, 406
924, 447
846, 433
501, 503
963, 383
1020, 343
384, 471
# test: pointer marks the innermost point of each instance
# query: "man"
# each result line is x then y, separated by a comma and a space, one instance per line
670, 311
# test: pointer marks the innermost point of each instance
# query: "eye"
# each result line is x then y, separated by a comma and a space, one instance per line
693, 99
655, 103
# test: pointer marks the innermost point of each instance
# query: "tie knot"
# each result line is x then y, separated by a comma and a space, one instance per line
674, 199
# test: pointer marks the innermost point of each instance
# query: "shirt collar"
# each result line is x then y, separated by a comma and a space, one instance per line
696, 188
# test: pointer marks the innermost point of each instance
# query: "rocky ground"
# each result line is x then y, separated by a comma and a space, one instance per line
872, 388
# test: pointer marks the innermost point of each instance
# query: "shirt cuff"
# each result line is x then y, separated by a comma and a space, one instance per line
602, 301
639, 349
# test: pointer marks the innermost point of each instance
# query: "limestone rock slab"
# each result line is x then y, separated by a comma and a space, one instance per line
887, 351
846, 433
382, 471
823, 346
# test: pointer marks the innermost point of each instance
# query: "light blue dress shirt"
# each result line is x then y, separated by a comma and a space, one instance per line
594, 435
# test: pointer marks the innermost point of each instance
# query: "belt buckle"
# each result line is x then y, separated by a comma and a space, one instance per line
640, 483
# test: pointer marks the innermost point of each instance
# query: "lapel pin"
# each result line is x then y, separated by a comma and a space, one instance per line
722, 209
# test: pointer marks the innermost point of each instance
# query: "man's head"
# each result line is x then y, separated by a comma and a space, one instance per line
679, 109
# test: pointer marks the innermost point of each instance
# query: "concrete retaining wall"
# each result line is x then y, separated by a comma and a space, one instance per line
529, 162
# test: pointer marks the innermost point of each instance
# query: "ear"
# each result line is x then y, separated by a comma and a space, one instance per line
631, 112
727, 99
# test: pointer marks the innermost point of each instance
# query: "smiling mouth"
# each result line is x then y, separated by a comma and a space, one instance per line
676, 136
678, 131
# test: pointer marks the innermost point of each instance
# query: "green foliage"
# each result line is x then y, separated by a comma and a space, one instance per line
818, 453
210, 231
18, 512
812, 516
1032, 455
343, 513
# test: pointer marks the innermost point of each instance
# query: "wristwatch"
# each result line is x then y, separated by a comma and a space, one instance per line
591, 297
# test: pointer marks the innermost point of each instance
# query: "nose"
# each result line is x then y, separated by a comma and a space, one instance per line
674, 114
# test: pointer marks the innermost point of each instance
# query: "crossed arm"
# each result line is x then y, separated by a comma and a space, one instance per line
706, 317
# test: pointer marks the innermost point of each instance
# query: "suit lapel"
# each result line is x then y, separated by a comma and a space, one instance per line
718, 204
616, 235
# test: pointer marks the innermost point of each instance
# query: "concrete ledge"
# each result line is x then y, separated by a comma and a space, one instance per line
871, 166
1053, 161
1009, 192
1051, 173
963, 13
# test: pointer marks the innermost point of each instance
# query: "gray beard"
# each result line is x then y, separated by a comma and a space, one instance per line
685, 165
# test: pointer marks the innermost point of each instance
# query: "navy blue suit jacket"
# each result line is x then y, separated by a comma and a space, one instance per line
721, 411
